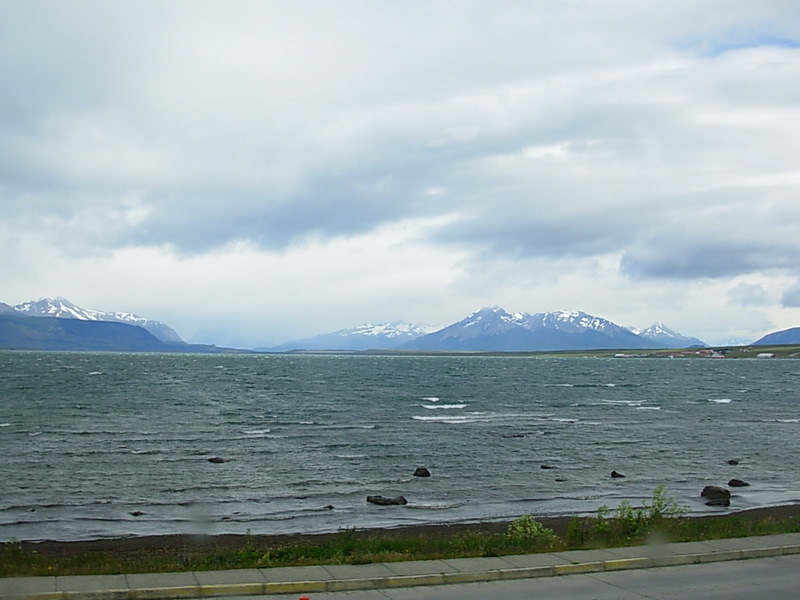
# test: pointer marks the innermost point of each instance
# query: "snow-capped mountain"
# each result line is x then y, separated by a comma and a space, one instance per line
666, 337
494, 329
64, 309
785, 336
369, 336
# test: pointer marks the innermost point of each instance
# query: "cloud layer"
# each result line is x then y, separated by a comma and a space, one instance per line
312, 166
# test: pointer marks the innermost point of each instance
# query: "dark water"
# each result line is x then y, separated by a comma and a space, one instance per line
106, 445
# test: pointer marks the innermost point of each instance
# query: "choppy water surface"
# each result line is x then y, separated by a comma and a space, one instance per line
107, 445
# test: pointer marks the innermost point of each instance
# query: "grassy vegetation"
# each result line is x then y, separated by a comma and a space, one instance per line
627, 525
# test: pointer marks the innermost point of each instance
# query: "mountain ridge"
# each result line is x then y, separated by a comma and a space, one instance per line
494, 329
60, 307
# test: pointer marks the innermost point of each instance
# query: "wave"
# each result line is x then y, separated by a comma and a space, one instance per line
721, 400
431, 398
443, 406
434, 506
454, 419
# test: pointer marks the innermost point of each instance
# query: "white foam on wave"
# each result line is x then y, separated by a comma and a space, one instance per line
633, 403
454, 419
721, 400
5, 424
443, 406
256, 431
788, 420
431, 398
648, 408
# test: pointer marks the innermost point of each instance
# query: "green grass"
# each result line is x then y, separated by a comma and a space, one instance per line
661, 518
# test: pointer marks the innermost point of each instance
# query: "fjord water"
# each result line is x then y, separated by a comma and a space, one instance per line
100, 445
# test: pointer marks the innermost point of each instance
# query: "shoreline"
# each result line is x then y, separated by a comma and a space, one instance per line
171, 544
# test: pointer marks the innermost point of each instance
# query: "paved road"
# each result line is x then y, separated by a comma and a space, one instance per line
754, 579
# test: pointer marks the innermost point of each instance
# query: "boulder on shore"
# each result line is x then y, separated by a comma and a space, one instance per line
719, 502
714, 492
422, 472
738, 483
384, 501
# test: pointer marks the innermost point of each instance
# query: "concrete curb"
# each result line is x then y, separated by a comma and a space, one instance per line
339, 578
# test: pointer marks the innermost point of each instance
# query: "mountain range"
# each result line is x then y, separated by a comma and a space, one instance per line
382, 336
58, 324
494, 329
62, 308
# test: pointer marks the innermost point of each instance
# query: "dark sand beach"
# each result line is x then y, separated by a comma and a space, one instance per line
132, 547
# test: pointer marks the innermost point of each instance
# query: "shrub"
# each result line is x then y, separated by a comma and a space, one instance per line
527, 531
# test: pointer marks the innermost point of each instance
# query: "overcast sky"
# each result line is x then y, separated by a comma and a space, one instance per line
258, 172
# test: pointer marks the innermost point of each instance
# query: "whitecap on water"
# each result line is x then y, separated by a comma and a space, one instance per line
451, 419
632, 403
721, 400
443, 406
431, 398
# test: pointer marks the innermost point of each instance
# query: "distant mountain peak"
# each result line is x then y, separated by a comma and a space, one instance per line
368, 336
670, 338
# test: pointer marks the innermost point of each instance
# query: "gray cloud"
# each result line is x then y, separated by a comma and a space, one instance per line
747, 294
664, 137
791, 297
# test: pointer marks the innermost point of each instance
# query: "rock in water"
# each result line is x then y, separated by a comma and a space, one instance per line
719, 502
616, 475
216, 460
715, 492
422, 472
733, 461
383, 501
738, 483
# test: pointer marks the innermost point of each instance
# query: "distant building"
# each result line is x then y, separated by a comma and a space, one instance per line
765, 355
